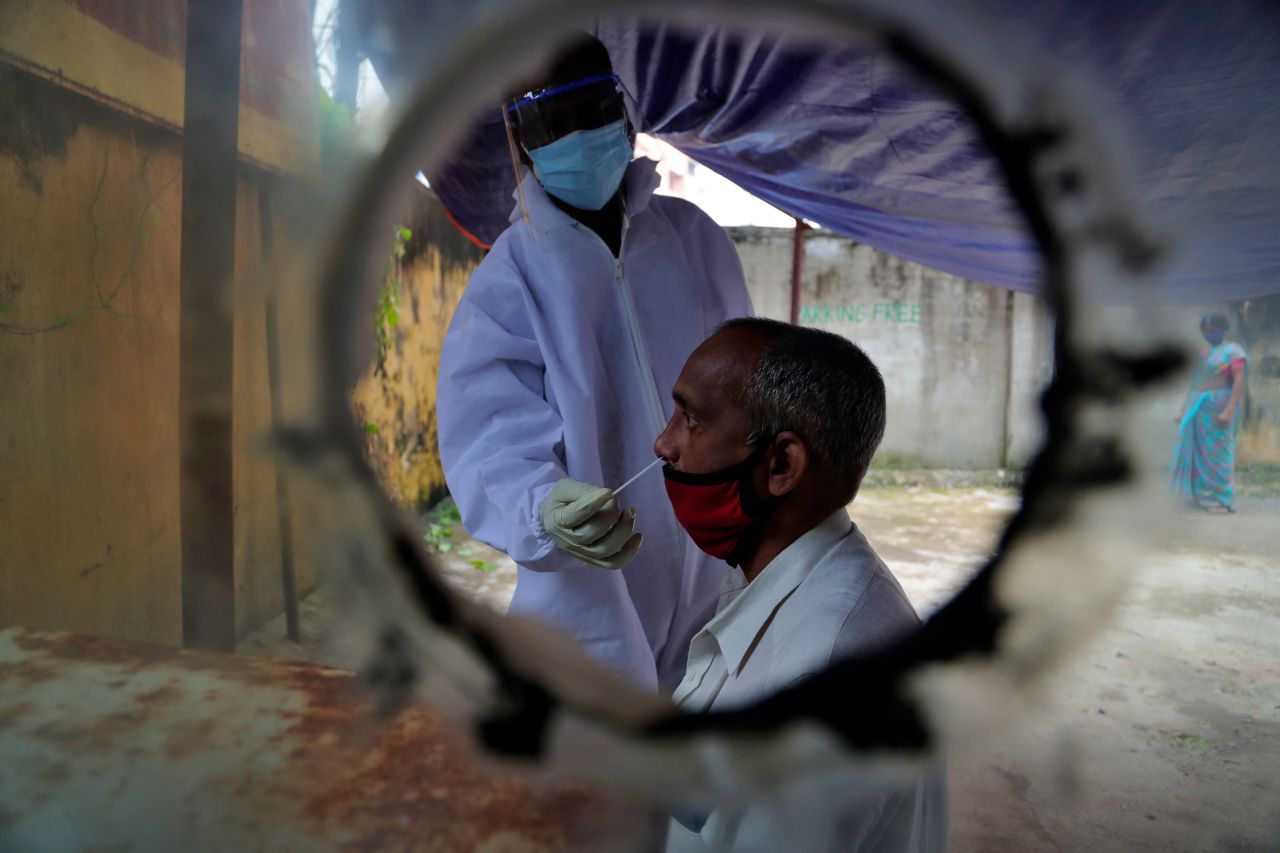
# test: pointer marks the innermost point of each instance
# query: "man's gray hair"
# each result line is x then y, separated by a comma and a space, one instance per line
821, 387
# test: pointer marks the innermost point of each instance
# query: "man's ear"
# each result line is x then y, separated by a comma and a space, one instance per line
787, 464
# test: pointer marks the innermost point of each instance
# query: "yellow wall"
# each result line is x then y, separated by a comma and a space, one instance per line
402, 403
90, 205
56, 40
88, 414
262, 261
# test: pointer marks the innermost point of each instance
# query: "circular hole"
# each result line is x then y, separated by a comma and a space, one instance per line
1009, 622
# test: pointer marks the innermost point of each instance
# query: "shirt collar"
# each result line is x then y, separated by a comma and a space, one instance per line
739, 625
641, 179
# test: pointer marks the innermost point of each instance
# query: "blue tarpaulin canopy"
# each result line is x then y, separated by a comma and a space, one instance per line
849, 138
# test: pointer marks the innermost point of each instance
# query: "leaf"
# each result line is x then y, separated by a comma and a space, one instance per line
405, 234
466, 551
482, 565
445, 547
371, 427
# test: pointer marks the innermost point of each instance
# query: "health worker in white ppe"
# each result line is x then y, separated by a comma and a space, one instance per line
549, 395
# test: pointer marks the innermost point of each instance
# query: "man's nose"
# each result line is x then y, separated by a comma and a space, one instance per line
664, 446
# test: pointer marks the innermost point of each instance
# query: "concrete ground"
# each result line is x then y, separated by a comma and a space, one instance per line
1163, 734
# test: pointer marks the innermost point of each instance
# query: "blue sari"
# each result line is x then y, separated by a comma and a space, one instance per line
1205, 458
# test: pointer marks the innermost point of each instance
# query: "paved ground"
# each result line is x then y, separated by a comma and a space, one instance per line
1164, 734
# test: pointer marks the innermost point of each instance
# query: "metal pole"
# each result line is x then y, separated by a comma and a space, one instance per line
206, 327
797, 267
284, 505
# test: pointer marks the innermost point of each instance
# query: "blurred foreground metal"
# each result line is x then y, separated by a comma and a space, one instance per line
114, 745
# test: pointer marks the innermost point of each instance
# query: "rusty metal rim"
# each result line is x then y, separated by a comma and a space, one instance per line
1051, 153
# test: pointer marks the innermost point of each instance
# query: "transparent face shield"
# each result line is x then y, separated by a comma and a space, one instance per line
540, 116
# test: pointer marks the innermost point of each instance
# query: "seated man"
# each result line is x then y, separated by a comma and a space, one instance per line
774, 428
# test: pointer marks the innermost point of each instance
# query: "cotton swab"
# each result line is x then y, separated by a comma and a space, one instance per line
654, 464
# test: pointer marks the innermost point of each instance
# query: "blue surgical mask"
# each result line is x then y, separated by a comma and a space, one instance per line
585, 167
1214, 336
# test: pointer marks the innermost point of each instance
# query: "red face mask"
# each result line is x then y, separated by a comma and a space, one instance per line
718, 509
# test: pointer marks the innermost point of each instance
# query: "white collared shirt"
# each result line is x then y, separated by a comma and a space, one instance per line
827, 595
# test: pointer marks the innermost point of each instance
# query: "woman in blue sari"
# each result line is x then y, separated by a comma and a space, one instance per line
1203, 463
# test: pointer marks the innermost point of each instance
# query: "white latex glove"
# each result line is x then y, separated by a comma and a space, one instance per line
585, 521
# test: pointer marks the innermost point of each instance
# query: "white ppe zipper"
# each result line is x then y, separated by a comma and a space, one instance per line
637, 341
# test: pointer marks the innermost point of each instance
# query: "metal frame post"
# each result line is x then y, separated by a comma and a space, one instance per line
206, 322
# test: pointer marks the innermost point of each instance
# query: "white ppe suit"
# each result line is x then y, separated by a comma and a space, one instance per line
559, 362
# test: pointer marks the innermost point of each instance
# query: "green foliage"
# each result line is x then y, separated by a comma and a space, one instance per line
448, 512
337, 127
437, 538
387, 313
441, 527
442, 524
371, 427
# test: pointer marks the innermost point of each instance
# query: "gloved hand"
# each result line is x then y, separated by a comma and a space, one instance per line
585, 521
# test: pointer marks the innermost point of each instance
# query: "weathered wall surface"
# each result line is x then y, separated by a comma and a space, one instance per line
962, 362
90, 202
88, 374
91, 109
1030, 369
397, 404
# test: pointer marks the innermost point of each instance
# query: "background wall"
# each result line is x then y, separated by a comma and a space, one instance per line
90, 202
88, 391
397, 403
963, 362
91, 97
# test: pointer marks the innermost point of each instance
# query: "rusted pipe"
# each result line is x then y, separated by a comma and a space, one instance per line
284, 504
797, 267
